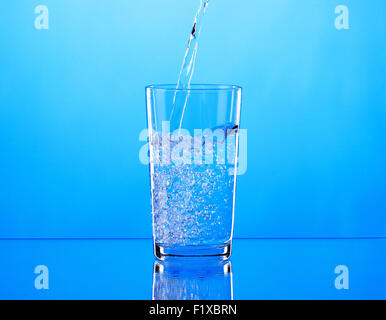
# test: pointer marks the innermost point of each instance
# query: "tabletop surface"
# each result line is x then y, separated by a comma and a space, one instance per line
258, 269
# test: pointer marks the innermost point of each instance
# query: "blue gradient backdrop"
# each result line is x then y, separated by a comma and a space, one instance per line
72, 107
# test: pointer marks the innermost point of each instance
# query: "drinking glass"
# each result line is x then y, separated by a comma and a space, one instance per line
193, 150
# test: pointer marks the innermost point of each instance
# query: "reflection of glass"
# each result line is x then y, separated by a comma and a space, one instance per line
193, 160
192, 280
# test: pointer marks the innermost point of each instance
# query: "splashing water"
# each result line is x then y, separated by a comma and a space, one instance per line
188, 64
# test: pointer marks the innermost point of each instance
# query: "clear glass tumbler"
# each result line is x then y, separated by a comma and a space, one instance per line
193, 149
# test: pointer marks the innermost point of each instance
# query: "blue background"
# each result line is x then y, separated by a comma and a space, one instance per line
72, 107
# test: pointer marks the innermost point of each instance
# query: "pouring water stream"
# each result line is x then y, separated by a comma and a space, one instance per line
188, 64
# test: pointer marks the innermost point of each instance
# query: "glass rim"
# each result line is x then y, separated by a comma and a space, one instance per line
195, 87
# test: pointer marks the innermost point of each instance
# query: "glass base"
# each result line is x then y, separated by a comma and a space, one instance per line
220, 251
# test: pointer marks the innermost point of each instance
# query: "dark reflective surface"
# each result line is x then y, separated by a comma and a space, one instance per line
197, 279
